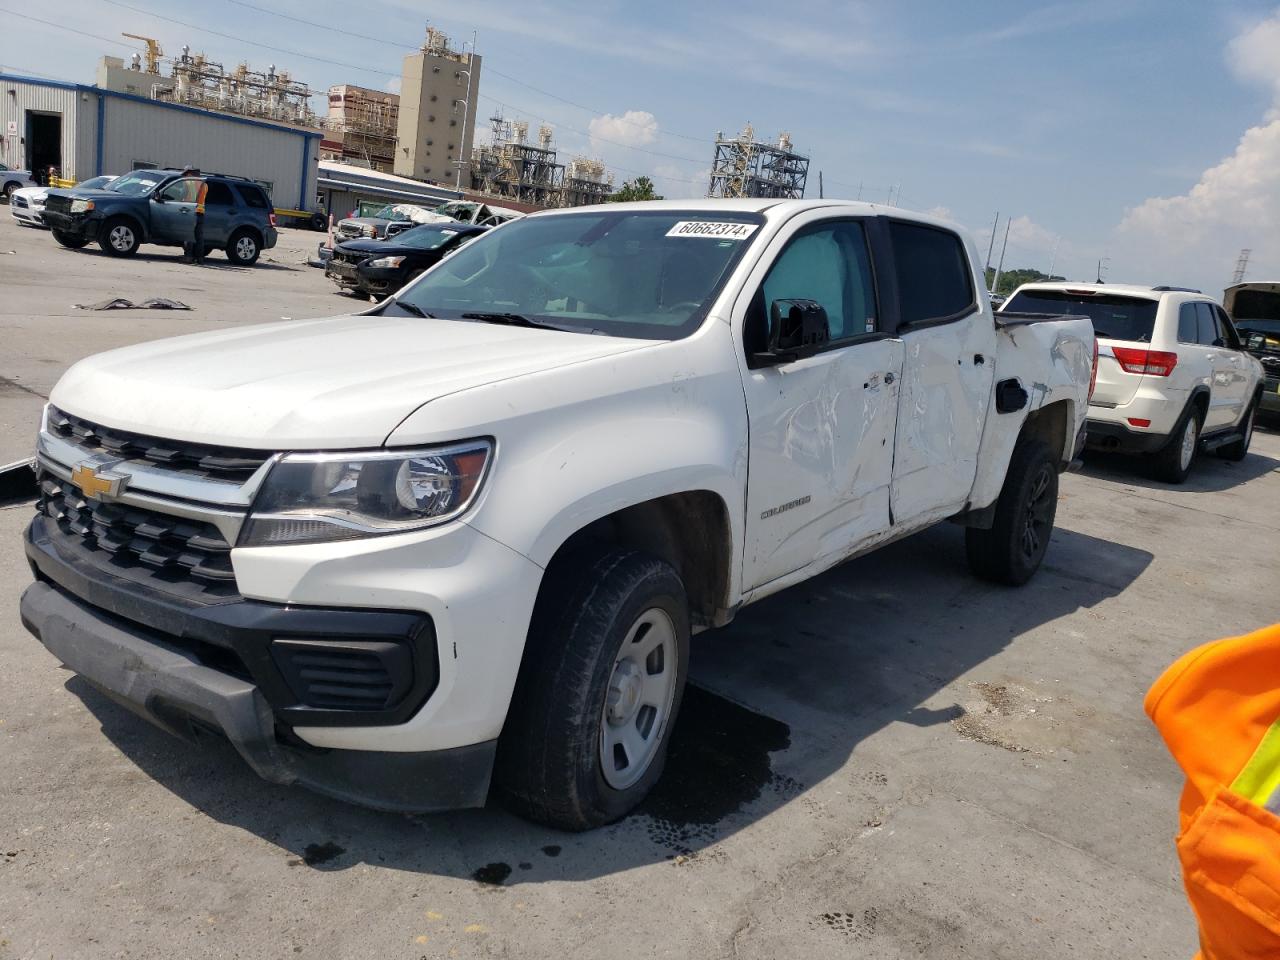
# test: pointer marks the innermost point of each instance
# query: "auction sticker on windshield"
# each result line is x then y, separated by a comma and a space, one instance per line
712, 229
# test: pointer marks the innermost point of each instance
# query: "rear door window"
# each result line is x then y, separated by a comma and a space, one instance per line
219, 195
934, 282
1115, 317
1188, 324
1207, 321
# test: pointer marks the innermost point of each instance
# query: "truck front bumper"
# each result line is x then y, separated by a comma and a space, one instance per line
73, 225
172, 688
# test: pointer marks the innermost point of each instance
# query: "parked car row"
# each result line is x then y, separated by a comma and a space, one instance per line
12, 180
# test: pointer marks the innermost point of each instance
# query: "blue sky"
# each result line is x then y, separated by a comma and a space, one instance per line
1098, 126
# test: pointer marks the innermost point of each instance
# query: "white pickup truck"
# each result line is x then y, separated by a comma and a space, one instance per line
469, 532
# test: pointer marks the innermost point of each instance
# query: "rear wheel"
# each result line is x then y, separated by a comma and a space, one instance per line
243, 248
1237, 451
119, 237
1173, 463
69, 240
9, 188
1012, 550
603, 675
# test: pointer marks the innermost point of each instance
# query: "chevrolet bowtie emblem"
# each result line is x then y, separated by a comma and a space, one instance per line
99, 483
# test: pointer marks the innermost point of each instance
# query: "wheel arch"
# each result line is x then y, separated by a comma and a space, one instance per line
690, 529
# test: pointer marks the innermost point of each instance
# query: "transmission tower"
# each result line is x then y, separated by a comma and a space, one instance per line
1241, 266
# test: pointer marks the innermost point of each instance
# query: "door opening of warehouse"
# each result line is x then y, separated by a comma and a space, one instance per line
44, 143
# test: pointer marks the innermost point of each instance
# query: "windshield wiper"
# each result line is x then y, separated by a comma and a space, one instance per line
413, 308
510, 319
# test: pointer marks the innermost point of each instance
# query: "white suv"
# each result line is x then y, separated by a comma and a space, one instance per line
1173, 377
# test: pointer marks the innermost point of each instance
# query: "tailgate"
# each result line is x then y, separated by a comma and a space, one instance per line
1115, 387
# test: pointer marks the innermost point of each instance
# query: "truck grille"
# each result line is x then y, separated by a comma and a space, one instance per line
170, 553
347, 231
58, 204
201, 460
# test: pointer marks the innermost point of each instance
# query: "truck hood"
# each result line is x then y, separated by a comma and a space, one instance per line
339, 383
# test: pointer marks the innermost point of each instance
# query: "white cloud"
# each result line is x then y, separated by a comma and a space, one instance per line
1194, 238
942, 213
634, 128
393, 85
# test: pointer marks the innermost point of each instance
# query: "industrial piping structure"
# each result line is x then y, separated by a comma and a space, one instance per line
747, 167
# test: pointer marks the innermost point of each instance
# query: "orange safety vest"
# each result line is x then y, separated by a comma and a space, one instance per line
1218, 709
200, 195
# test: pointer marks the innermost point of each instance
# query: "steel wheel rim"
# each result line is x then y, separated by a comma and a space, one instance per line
638, 698
244, 248
1035, 526
121, 238
1188, 443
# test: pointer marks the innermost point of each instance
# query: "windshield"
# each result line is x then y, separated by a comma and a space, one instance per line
1114, 317
138, 183
459, 211
428, 237
650, 275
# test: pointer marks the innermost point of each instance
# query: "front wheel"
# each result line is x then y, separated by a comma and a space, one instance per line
1012, 550
1239, 449
603, 676
243, 248
70, 241
119, 237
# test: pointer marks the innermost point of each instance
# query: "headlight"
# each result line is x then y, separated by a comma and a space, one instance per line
338, 496
370, 232
81, 206
389, 262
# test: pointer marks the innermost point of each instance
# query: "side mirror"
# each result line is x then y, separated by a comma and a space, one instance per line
797, 329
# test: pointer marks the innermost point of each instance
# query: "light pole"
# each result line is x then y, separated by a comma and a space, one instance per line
466, 109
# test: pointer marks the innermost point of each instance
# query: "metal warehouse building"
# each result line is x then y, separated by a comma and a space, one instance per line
87, 131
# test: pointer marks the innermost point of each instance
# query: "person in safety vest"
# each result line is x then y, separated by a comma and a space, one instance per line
1218, 709
197, 191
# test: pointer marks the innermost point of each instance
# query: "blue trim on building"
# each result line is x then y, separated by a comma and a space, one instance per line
102, 135
306, 165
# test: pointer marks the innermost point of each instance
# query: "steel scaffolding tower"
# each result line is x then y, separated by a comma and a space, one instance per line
747, 167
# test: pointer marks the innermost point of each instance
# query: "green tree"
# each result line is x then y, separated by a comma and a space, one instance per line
641, 188
1010, 280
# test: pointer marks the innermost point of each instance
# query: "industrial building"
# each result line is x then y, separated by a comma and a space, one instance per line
361, 127
747, 167
511, 167
85, 131
438, 94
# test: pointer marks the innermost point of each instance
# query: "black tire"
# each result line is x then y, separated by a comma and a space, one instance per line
550, 767
244, 248
318, 222
1169, 464
119, 237
69, 241
9, 189
1237, 451
1012, 550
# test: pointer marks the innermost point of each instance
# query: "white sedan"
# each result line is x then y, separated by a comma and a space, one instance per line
27, 203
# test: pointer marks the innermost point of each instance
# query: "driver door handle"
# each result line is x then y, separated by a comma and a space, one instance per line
889, 378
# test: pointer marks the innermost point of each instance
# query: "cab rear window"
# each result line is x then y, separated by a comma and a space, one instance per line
1114, 317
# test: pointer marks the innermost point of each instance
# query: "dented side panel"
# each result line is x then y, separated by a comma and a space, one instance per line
1052, 362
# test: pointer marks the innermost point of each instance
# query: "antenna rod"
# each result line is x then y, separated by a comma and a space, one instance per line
995, 225
995, 281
